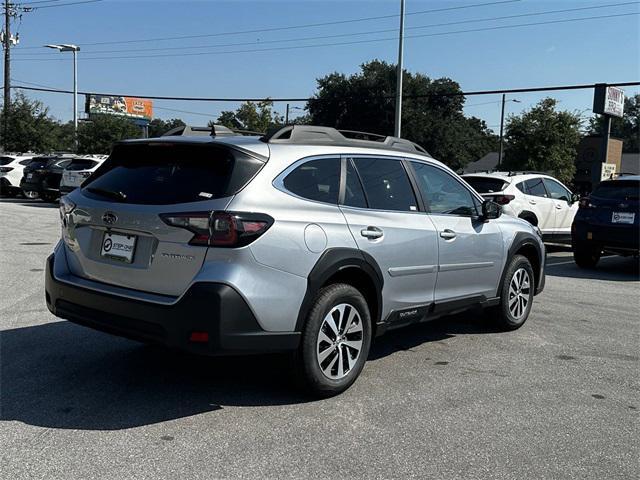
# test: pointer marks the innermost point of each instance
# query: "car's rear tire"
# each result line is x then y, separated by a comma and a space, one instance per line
516, 296
585, 255
335, 341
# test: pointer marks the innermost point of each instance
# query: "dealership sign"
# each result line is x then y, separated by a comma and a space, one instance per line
608, 100
121, 106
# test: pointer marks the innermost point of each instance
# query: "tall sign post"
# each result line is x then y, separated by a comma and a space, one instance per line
609, 102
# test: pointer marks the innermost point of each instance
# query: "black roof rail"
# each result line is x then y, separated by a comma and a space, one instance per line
314, 135
526, 172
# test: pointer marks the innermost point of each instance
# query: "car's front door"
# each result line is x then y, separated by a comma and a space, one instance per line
540, 204
385, 220
471, 251
565, 208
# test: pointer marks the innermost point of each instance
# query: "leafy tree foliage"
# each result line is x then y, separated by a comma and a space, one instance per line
543, 139
99, 134
30, 128
365, 101
157, 126
253, 116
625, 128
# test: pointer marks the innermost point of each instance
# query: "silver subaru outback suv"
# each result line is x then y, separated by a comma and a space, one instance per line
308, 240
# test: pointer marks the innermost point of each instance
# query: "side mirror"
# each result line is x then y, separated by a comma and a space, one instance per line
490, 210
574, 198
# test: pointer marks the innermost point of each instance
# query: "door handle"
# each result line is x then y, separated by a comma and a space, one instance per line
532, 202
448, 234
559, 207
371, 232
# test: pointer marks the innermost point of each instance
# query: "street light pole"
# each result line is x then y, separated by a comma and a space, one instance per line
65, 47
398, 119
500, 153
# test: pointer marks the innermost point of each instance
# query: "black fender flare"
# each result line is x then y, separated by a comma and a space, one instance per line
332, 261
520, 240
528, 213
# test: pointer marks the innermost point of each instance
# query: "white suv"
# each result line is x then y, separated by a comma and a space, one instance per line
538, 198
11, 170
78, 171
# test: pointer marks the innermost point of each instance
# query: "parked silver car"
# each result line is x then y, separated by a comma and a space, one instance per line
307, 240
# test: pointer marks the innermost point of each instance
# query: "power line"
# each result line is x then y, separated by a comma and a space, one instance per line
210, 115
353, 42
370, 32
294, 27
27, 4
305, 99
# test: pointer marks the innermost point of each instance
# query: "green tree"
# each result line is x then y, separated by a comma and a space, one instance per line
625, 128
99, 134
256, 117
157, 126
30, 128
365, 102
543, 139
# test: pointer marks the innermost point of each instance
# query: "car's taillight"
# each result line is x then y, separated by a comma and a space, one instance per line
503, 199
220, 229
585, 202
5, 169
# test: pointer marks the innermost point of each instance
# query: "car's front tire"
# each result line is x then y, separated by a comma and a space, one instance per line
335, 341
585, 255
516, 297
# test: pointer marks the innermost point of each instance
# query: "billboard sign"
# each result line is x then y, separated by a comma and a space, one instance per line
122, 106
608, 100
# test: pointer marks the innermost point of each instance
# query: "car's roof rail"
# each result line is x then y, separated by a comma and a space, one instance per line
192, 131
314, 135
526, 172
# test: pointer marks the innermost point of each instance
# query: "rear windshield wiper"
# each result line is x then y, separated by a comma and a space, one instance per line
108, 193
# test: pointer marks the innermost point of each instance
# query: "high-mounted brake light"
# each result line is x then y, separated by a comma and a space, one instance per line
220, 229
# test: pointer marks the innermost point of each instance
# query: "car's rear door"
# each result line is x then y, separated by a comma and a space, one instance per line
116, 233
471, 251
384, 217
538, 201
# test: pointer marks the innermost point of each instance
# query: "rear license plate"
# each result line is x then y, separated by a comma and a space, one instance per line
622, 217
119, 247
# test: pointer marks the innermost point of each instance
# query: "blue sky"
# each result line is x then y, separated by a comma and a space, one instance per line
600, 50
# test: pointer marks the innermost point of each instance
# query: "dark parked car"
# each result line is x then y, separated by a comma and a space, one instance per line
607, 221
42, 177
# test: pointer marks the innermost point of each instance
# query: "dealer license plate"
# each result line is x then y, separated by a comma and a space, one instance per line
622, 217
119, 247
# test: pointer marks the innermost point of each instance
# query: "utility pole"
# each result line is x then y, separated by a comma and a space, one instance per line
6, 44
286, 117
398, 119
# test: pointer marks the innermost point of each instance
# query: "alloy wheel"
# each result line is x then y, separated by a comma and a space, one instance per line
519, 293
339, 341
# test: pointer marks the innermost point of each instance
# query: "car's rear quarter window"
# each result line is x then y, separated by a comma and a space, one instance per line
486, 184
167, 173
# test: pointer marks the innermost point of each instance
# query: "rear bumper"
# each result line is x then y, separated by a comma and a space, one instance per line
624, 239
214, 308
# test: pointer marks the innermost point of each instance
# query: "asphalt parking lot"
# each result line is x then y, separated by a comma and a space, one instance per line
558, 398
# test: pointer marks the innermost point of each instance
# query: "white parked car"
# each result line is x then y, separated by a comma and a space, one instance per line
11, 171
538, 198
78, 171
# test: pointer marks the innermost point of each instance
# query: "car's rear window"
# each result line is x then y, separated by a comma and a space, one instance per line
486, 184
6, 160
618, 190
39, 162
81, 164
170, 173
